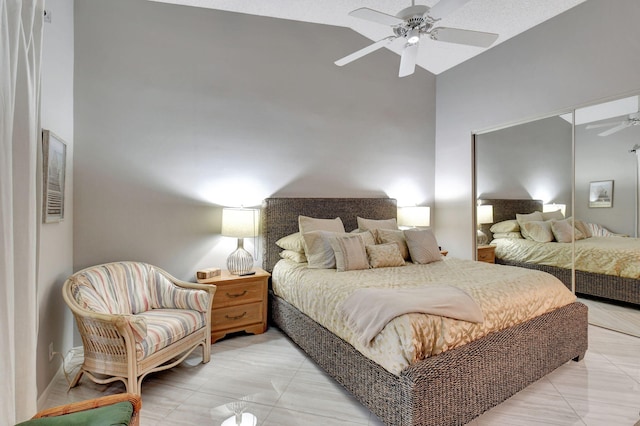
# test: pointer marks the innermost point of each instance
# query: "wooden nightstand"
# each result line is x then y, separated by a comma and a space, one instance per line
240, 303
487, 254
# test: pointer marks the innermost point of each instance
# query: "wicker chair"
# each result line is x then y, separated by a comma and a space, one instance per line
91, 404
135, 319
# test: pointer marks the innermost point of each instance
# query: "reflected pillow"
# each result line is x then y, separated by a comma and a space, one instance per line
505, 226
350, 252
563, 230
368, 224
539, 231
503, 235
554, 215
384, 255
293, 242
307, 224
582, 227
423, 246
523, 218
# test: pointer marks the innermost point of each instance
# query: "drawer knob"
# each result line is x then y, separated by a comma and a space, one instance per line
237, 317
233, 296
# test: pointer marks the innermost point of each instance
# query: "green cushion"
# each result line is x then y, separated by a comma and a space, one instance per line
118, 414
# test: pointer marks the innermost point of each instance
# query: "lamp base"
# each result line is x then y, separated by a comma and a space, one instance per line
481, 238
240, 261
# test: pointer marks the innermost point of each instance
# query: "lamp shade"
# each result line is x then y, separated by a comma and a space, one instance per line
240, 223
554, 208
414, 216
485, 214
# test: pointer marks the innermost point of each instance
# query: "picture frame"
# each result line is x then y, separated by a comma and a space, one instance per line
54, 165
601, 194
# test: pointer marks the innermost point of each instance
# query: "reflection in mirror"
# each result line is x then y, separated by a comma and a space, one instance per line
607, 139
526, 170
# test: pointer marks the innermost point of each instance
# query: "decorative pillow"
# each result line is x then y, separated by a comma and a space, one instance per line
384, 255
555, 215
505, 226
350, 252
367, 237
368, 224
293, 242
392, 236
522, 218
318, 250
563, 230
293, 255
596, 230
539, 231
307, 224
423, 246
582, 227
512, 235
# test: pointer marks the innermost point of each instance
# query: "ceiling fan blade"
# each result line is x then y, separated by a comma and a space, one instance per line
597, 126
408, 60
360, 53
459, 36
375, 16
615, 129
445, 7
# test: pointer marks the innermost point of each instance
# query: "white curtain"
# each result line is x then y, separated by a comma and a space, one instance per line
20, 55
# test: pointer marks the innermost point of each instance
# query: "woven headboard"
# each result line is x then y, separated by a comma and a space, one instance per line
504, 209
279, 217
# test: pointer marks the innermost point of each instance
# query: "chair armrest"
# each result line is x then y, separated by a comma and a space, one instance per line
184, 286
90, 404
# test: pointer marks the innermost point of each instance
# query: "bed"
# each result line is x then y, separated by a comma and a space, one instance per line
452, 387
617, 279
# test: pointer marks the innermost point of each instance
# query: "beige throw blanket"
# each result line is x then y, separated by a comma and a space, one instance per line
368, 310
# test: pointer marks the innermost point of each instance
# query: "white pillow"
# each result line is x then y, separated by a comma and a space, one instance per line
555, 215
503, 235
539, 231
368, 224
307, 224
423, 246
562, 230
293, 242
293, 255
349, 252
522, 218
318, 250
505, 226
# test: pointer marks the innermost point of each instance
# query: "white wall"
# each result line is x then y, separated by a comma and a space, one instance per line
55, 250
588, 53
181, 110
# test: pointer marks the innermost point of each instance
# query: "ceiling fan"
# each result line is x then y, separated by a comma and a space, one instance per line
633, 120
410, 24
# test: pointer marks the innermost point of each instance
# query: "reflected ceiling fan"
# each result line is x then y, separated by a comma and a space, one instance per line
632, 120
412, 23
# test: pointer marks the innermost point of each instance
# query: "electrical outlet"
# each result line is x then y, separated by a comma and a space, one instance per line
50, 351
47, 16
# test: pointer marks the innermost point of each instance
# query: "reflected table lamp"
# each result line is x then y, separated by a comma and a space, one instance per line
240, 223
485, 216
414, 216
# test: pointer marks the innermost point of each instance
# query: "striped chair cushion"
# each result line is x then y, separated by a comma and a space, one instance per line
166, 326
164, 294
122, 286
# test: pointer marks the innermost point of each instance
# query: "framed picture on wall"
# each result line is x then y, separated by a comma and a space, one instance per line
601, 193
54, 163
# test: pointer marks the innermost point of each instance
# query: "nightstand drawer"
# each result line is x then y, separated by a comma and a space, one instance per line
487, 254
236, 294
236, 316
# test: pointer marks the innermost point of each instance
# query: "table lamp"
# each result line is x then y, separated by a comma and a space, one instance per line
240, 223
484, 216
414, 216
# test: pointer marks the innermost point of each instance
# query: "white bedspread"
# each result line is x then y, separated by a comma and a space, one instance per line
506, 296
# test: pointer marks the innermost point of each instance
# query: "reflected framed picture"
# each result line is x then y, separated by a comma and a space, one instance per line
601, 193
54, 163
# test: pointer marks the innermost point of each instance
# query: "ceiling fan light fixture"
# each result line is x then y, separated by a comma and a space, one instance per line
413, 36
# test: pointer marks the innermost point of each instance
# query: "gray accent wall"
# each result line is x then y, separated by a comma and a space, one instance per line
589, 53
181, 110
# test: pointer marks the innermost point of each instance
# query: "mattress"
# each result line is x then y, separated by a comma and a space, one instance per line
506, 295
618, 256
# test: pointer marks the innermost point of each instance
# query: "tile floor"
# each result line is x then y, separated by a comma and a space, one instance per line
268, 377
